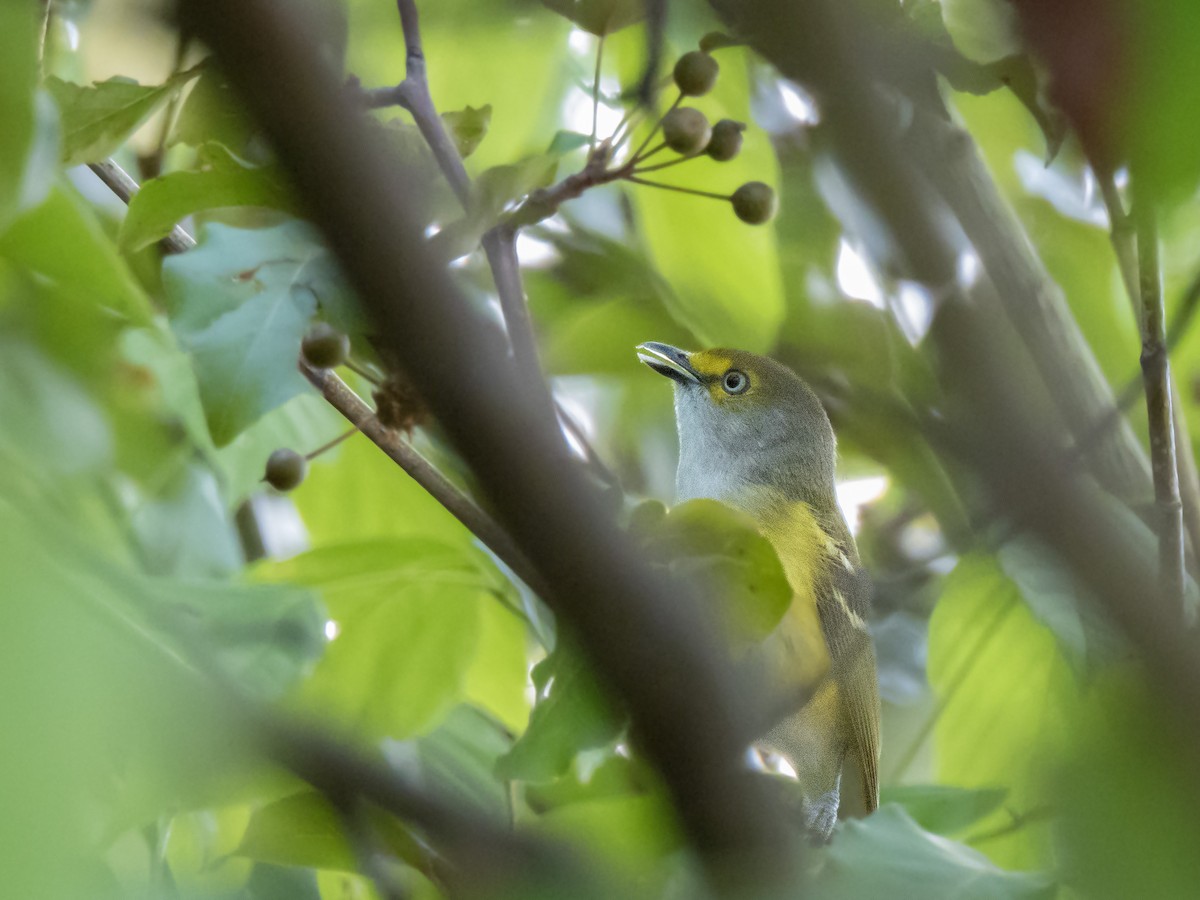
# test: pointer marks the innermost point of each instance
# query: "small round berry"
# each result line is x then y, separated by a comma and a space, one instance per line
285, 469
696, 73
754, 203
324, 347
686, 131
726, 140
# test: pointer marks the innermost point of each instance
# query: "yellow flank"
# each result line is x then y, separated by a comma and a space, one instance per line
801, 544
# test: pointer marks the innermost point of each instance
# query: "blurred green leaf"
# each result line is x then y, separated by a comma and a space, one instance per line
306, 830
408, 620
942, 808
457, 763
565, 141
357, 493
222, 180
887, 855
492, 193
1129, 795
212, 113
99, 118
985, 31
27, 150
91, 268
600, 17
468, 126
629, 835
722, 553
571, 714
1009, 697
240, 302
183, 530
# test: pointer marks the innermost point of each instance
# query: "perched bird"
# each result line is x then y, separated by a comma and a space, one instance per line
755, 437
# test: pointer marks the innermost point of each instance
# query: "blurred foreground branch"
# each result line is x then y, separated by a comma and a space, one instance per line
653, 649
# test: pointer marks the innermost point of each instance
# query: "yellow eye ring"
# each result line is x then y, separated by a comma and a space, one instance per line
735, 381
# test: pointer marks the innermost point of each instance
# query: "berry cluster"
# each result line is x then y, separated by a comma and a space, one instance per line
687, 132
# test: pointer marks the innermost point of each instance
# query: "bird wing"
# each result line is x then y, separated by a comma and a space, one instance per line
842, 603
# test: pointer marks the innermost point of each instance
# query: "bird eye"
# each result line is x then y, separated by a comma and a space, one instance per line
735, 382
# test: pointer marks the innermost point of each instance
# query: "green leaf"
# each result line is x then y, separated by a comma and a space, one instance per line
1061, 602
724, 274
358, 493
721, 551
183, 529
98, 119
92, 269
498, 189
564, 142
1008, 696
457, 763
985, 31
239, 303
223, 180
212, 112
599, 17
408, 619
1128, 798
27, 146
887, 853
571, 715
629, 835
943, 808
468, 127
305, 830
49, 418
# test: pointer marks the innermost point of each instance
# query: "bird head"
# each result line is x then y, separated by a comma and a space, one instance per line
750, 431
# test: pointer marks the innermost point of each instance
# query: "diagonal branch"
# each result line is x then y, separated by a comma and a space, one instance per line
339, 395
122, 184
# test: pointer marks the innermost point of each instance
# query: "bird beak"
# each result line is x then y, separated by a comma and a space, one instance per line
670, 361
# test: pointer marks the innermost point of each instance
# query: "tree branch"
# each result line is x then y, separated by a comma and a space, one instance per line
357, 412
1122, 236
647, 640
1156, 376
122, 184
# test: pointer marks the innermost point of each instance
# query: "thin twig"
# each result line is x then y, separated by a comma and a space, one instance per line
499, 244
363, 372
359, 413
596, 92
666, 165
1123, 239
657, 126
1156, 376
122, 184
675, 187
329, 445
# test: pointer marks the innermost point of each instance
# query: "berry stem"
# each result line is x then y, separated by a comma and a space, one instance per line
683, 190
645, 156
329, 446
665, 165
596, 91
657, 125
362, 372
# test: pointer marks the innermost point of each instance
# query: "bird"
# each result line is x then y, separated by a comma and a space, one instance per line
755, 437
